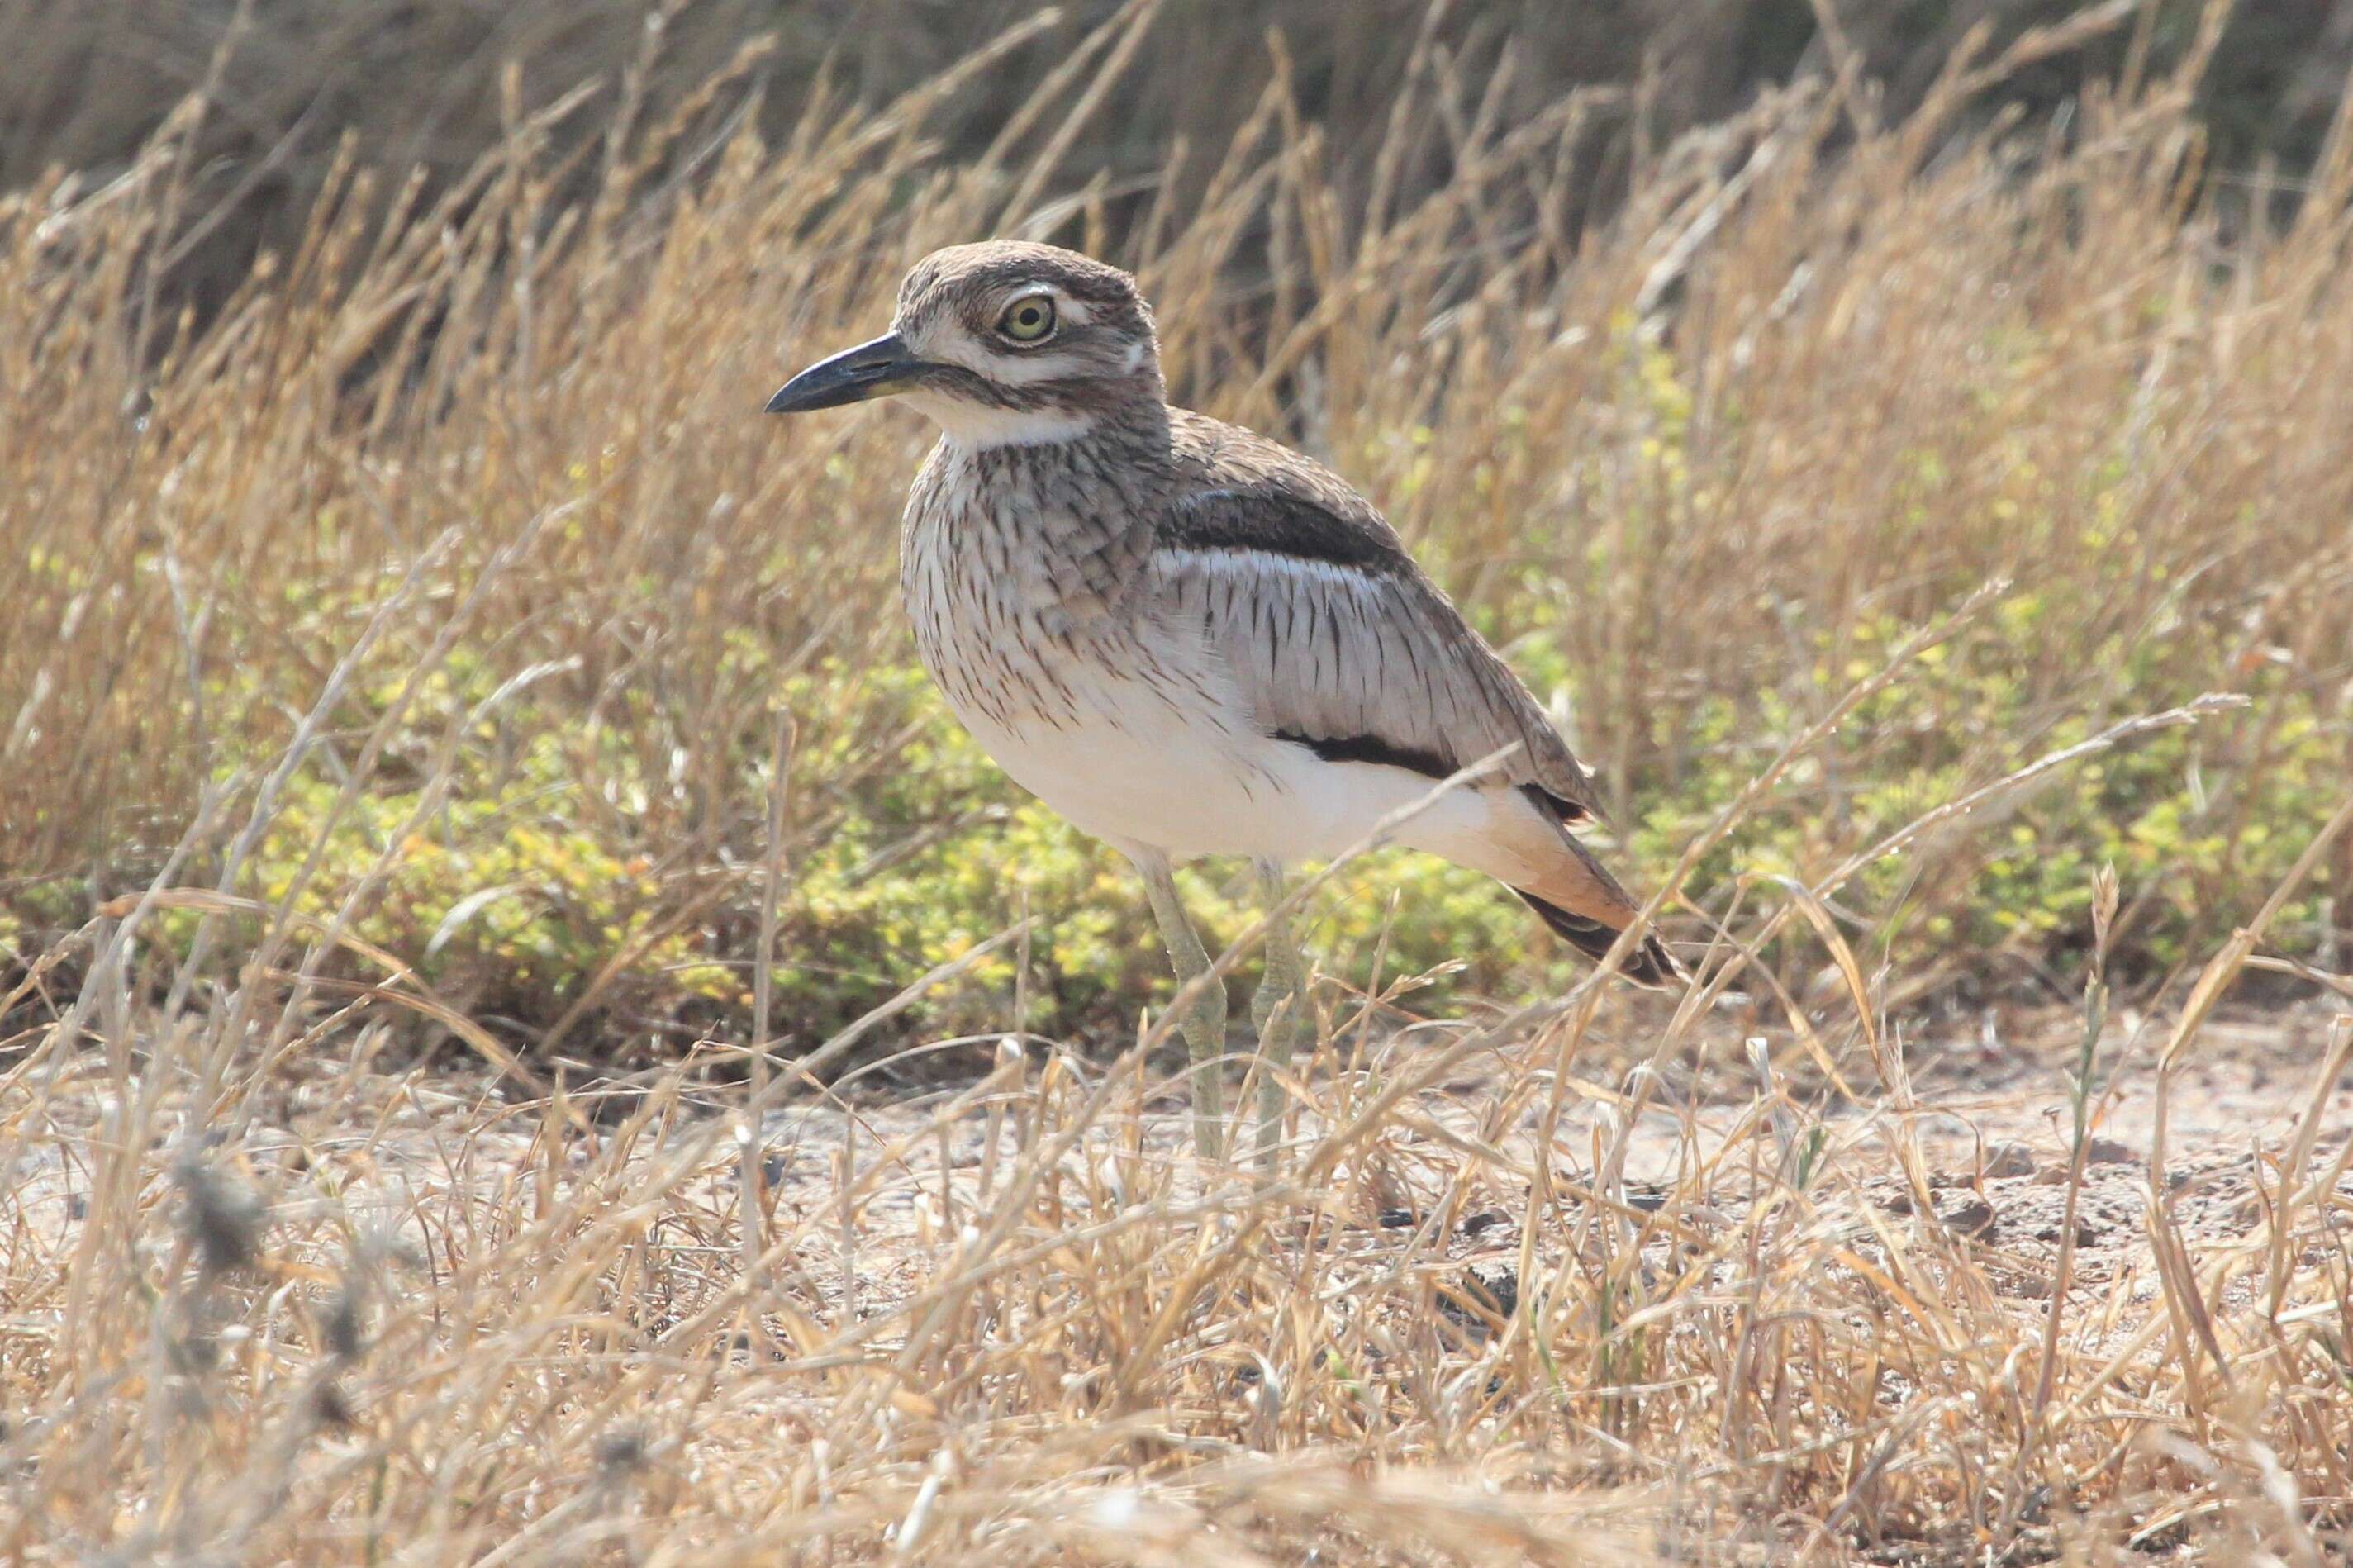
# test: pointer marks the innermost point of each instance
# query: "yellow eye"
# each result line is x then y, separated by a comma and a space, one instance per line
1028, 321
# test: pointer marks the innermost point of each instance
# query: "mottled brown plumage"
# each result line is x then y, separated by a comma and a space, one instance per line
1183, 636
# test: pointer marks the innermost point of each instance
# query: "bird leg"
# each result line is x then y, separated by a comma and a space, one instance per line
1275, 1008
1204, 1022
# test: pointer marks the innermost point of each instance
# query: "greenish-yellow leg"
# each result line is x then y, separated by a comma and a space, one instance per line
1204, 1023
1276, 1008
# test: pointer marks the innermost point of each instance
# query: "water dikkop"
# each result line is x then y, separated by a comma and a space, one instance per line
1188, 639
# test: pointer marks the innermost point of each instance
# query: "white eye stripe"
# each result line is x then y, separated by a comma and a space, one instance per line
978, 344
1068, 312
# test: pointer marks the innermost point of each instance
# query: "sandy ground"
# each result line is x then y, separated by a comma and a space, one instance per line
1991, 1123
425, 1156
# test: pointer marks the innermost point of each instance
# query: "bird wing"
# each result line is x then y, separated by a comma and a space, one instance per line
1337, 639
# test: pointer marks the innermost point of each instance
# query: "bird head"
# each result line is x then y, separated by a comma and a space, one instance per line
1001, 343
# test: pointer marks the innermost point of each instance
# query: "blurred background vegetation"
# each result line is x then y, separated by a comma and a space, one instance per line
85, 84
392, 530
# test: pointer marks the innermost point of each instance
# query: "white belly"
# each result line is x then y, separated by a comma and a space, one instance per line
1125, 722
1138, 769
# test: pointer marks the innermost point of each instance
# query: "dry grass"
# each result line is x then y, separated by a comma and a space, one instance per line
86, 82
449, 568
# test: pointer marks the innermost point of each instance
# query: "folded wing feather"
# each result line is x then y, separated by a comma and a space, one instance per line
1335, 634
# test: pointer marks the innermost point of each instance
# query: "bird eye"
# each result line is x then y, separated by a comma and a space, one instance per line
1028, 321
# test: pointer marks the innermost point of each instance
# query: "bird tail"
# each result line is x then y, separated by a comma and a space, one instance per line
1649, 964
1587, 909
1529, 849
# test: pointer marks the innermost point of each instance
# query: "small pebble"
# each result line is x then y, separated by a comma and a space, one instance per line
2010, 1159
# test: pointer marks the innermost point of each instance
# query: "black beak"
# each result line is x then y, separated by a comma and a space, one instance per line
853, 375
